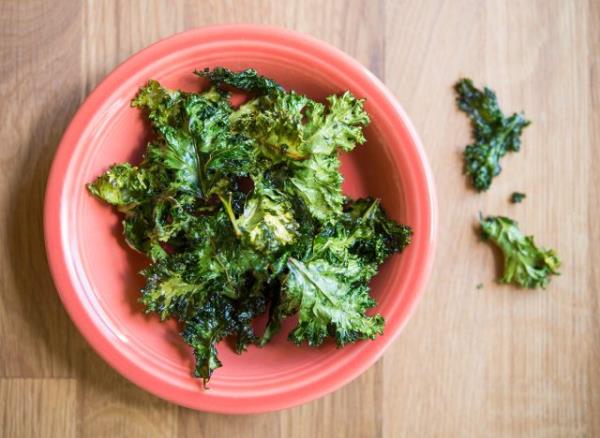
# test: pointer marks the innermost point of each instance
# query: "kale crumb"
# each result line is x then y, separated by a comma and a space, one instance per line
517, 197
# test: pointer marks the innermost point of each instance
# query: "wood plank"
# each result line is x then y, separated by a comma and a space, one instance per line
40, 89
425, 370
515, 363
113, 31
590, 338
203, 425
353, 411
111, 406
353, 26
38, 408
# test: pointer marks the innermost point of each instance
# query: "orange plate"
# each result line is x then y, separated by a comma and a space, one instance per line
96, 274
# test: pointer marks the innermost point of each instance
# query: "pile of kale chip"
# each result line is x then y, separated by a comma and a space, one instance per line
241, 212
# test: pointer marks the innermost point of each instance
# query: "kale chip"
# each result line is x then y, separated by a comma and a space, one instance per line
525, 264
494, 134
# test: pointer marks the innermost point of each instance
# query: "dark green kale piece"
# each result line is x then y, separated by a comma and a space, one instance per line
328, 288
494, 133
247, 80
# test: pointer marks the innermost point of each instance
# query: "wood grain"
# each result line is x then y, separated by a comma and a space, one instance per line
489, 362
39, 86
38, 407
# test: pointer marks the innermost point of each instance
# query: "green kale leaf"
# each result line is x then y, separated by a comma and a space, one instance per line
212, 321
123, 186
525, 264
267, 221
329, 288
275, 122
339, 127
247, 80
293, 126
494, 134
328, 302
306, 135
317, 181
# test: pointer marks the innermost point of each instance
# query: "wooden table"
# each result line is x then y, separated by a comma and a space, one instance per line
472, 362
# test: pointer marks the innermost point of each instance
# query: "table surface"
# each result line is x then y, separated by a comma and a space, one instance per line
494, 361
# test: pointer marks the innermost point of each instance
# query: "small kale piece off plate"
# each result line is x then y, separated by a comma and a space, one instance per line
240, 212
517, 197
525, 264
494, 133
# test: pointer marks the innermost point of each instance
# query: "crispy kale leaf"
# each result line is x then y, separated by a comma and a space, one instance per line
275, 122
329, 302
267, 222
247, 80
525, 264
198, 150
213, 320
305, 135
241, 212
317, 181
494, 134
216, 318
202, 268
289, 125
329, 288
123, 186
339, 127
